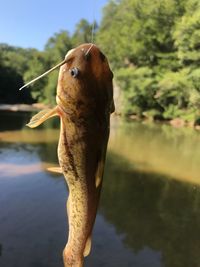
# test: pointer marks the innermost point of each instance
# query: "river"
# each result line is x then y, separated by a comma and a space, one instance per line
149, 214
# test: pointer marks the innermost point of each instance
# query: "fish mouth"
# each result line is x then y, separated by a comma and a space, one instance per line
61, 105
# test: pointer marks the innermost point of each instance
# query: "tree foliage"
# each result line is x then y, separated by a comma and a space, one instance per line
84, 32
13, 64
153, 47
155, 55
30, 63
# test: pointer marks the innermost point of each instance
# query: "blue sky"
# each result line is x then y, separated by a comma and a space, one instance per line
29, 23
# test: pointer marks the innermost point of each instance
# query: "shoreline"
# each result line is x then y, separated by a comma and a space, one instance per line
23, 107
176, 122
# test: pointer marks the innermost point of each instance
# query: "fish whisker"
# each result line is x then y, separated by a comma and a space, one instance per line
42, 75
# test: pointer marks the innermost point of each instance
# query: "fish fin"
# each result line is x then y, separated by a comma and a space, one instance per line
55, 169
87, 247
42, 116
99, 172
68, 205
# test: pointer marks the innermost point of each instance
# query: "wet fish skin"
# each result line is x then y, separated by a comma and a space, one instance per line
84, 104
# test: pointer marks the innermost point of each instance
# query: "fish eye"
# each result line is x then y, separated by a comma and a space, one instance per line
74, 72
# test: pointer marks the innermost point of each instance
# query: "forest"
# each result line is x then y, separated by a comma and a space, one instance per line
153, 48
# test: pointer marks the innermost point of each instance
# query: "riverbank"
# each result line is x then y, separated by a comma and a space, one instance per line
176, 122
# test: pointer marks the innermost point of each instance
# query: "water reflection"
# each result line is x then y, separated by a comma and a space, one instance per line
149, 212
26, 159
1, 250
152, 211
159, 149
14, 122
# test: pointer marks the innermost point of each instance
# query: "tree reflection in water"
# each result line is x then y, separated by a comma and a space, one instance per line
153, 211
14, 122
150, 212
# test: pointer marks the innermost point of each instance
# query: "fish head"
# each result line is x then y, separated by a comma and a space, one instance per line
85, 81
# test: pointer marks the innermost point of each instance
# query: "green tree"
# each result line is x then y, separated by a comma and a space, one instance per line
84, 32
13, 64
187, 34
57, 47
173, 94
15, 57
142, 82
36, 66
140, 32
155, 55
10, 82
55, 51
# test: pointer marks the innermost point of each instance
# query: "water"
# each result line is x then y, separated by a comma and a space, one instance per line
149, 215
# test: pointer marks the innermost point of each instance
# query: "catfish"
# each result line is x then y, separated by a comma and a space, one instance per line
84, 103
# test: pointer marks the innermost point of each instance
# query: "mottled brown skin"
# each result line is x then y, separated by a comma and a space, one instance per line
84, 104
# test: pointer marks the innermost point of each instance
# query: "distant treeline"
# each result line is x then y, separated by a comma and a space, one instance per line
153, 47
18, 66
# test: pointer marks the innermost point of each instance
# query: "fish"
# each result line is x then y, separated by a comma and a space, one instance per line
84, 103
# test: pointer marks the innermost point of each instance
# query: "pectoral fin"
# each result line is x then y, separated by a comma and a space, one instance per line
55, 169
99, 172
68, 205
42, 116
87, 247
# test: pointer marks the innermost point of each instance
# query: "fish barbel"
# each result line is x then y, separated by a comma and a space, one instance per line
84, 103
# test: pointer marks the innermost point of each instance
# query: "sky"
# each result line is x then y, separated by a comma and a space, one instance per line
30, 23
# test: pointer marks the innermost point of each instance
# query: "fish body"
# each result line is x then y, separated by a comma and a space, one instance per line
84, 104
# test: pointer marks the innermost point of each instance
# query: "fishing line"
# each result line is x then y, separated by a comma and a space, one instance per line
92, 28
92, 34
94, 22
